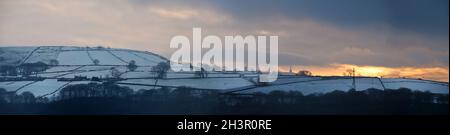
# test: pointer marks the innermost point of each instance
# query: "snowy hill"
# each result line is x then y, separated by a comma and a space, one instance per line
69, 56
99, 62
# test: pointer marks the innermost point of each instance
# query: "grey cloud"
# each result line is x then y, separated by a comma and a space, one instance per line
132, 24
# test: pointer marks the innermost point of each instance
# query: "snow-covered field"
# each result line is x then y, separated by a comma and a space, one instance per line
13, 86
90, 74
106, 58
95, 68
61, 69
128, 56
328, 85
38, 88
138, 75
421, 85
55, 92
14, 55
180, 75
223, 75
203, 83
138, 87
147, 56
74, 58
43, 54
54, 74
303, 84
72, 48
310, 86
41, 88
293, 79
78, 61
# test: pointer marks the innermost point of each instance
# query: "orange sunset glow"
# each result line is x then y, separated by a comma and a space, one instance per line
430, 73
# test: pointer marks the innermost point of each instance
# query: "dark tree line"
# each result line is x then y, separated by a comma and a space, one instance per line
15, 98
94, 90
109, 98
8, 70
26, 69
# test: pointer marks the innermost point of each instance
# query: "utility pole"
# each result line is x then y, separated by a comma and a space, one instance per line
353, 83
290, 69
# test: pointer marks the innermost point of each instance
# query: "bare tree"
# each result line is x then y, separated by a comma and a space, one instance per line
304, 73
53, 62
202, 73
27, 69
115, 73
27, 97
348, 72
132, 65
161, 69
96, 62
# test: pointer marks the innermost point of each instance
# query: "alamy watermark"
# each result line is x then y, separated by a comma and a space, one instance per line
227, 56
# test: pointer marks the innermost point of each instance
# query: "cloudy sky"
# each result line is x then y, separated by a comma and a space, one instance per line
401, 38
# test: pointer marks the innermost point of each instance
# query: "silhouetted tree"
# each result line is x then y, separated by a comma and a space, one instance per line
106, 89
3, 94
202, 73
28, 97
161, 69
115, 72
304, 73
110, 98
422, 97
30, 68
96, 62
8, 70
132, 65
277, 96
53, 62
349, 72
442, 99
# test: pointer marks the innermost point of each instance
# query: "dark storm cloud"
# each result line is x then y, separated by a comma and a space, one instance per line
424, 16
392, 33
403, 32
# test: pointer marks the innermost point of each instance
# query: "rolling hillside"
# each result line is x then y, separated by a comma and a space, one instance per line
99, 62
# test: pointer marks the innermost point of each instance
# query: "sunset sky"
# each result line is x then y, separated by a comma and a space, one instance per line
389, 38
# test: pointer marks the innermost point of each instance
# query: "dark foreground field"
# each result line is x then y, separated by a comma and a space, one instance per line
112, 99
